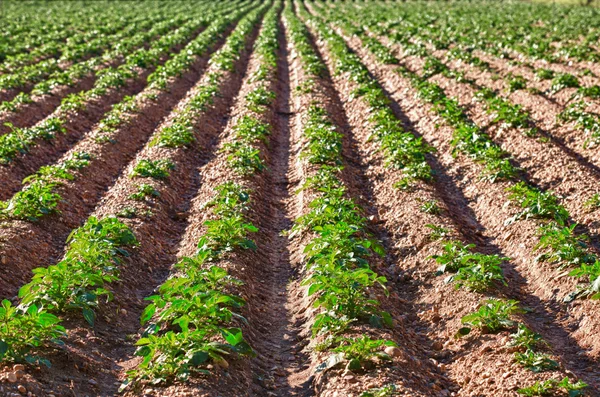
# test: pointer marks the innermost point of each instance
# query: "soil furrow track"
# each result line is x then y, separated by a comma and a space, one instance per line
158, 224
42, 104
76, 126
277, 337
81, 195
476, 204
412, 371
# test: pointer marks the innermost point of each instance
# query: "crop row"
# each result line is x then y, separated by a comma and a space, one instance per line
564, 246
116, 49
340, 255
92, 260
194, 319
471, 270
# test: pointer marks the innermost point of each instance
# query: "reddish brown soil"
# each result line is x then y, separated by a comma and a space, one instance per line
81, 195
77, 125
426, 310
109, 346
474, 206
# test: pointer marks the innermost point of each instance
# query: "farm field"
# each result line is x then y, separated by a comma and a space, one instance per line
299, 198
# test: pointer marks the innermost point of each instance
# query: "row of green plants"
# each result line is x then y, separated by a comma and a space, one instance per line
559, 241
479, 272
40, 196
134, 37
337, 257
20, 140
78, 282
402, 149
194, 319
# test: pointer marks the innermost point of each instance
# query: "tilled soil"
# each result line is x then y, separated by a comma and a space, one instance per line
426, 310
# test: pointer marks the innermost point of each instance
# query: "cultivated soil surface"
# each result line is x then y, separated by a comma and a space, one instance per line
426, 311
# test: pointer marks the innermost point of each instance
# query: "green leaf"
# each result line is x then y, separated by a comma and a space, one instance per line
89, 316
464, 331
233, 336
199, 358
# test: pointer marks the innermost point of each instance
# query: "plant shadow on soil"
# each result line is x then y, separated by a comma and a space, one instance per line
564, 346
362, 189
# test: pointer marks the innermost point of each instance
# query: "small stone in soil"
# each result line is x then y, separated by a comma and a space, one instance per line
393, 351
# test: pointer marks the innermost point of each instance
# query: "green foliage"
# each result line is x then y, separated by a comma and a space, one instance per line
468, 138
526, 338
244, 158
259, 99
516, 82
158, 169
24, 332
475, 271
588, 122
566, 248
144, 190
78, 281
592, 272
300, 37
39, 197
19, 140
385, 391
437, 232
430, 207
325, 146
592, 92
34, 201
544, 74
361, 352
551, 386
193, 317
536, 204
198, 306
402, 150
535, 361
506, 112
564, 80
493, 315
74, 102
178, 134
593, 202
